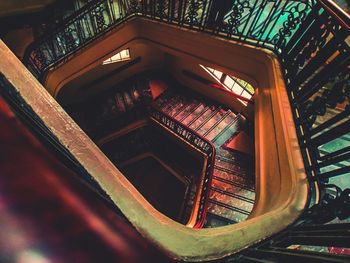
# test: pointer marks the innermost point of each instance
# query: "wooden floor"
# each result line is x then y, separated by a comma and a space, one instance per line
47, 215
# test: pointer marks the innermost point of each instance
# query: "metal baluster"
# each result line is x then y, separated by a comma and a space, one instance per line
248, 19
276, 19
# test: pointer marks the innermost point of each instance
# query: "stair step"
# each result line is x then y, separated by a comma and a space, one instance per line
226, 211
214, 112
228, 132
233, 178
183, 105
163, 99
170, 104
198, 111
175, 109
202, 119
187, 111
233, 166
239, 192
229, 199
237, 158
218, 115
203, 112
218, 127
233, 169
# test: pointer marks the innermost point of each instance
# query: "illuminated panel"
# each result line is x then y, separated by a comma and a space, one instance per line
231, 83
121, 56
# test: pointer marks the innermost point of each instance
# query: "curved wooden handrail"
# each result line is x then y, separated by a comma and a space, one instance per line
208, 149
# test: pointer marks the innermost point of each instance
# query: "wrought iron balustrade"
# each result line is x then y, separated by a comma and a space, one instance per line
200, 143
74, 33
263, 23
305, 243
316, 64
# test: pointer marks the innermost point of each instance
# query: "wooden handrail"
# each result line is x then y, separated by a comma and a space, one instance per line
208, 173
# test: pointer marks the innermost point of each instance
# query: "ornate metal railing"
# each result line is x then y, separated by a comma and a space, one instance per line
310, 239
316, 64
263, 23
304, 243
198, 142
74, 33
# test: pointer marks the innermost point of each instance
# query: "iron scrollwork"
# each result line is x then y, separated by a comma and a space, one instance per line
134, 6
160, 8
335, 92
99, 17
296, 14
236, 14
191, 16
309, 51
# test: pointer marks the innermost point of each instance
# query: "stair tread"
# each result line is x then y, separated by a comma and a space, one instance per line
191, 106
180, 107
234, 168
230, 130
194, 114
229, 133
233, 178
217, 209
234, 189
222, 125
161, 100
202, 119
230, 200
239, 158
210, 123
171, 103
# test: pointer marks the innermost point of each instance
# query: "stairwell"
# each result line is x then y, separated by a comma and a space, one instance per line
232, 193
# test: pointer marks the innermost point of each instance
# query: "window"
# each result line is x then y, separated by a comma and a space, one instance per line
218, 74
231, 83
121, 56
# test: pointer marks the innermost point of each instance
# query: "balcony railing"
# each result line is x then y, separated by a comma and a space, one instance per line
316, 64
264, 23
